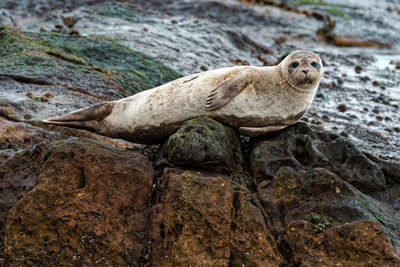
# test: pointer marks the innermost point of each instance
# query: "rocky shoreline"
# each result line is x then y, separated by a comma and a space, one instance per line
310, 195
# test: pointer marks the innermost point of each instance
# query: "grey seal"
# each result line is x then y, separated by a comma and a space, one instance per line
252, 100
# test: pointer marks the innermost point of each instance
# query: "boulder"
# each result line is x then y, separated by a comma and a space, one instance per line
303, 147
205, 219
206, 143
326, 221
90, 206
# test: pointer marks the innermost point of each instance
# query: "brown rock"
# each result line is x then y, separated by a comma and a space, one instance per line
17, 135
252, 241
17, 178
203, 219
90, 206
359, 243
327, 222
21, 135
346, 40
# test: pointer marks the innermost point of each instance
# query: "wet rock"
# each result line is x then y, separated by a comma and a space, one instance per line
74, 71
326, 221
358, 69
351, 41
15, 135
206, 143
90, 206
20, 135
304, 147
342, 108
17, 177
203, 218
5, 17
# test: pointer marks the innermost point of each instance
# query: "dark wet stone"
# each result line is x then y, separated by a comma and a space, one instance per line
325, 220
205, 143
304, 147
342, 108
17, 177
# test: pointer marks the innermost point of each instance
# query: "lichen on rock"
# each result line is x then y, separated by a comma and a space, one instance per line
206, 143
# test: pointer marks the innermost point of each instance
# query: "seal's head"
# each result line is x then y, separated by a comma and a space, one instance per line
302, 70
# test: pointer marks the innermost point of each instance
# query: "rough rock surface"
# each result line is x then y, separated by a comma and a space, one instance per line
81, 203
94, 203
306, 147
326, 221
90, 206
206, 143
204, 219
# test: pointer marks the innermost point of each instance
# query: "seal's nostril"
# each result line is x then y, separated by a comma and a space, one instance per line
305, 71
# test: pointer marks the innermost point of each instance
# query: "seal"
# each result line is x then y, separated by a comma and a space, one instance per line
253, 100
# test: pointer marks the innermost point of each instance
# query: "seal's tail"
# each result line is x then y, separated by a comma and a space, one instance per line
88, 118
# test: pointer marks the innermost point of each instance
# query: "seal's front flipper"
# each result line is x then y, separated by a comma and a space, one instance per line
254, 131
227, 90
89, 118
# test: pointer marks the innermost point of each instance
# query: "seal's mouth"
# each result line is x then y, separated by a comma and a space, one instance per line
307, 80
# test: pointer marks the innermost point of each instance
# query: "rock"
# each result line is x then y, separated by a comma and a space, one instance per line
326, 221
51, 74
206, 143
5, 17
202, 218
17, 178
15, 135
351, 41
301, 146
359, 243
90, 206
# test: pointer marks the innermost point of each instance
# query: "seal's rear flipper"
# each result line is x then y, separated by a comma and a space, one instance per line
88, 118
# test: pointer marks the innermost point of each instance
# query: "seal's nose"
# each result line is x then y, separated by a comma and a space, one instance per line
305, 71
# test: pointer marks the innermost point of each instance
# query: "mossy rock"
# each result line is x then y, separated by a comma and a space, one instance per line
132, 70
76, 71
121, 11
204, 142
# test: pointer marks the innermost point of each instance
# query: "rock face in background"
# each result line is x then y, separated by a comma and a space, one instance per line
206, 196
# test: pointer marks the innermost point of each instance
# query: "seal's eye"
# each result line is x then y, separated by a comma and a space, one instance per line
314, 64
294, 64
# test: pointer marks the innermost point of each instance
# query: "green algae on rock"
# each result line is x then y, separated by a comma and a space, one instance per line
121, 11
76, 71
133, 70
